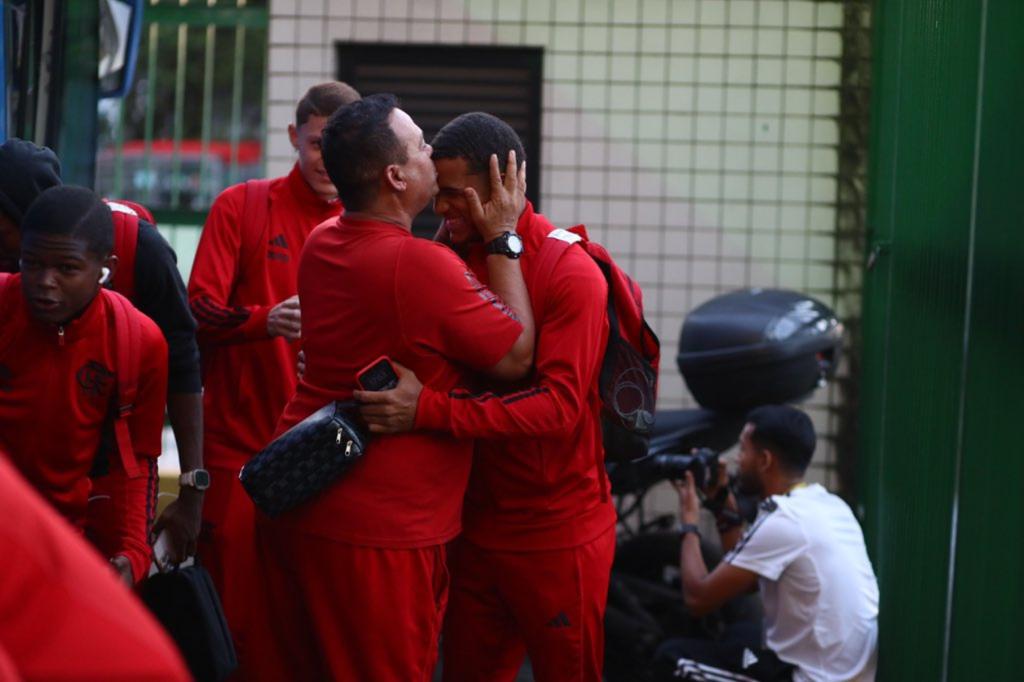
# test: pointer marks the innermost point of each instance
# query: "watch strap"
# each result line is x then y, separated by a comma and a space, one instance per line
689, 528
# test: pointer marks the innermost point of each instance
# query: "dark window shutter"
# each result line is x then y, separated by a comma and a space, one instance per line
436, 83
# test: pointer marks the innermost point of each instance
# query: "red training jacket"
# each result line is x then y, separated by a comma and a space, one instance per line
58, 386
370, 289
63, 613
247, 375
538, 479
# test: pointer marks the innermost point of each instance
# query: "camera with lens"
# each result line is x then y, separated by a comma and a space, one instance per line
703, 464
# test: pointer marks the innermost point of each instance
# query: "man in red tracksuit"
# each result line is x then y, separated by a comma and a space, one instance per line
59, 376
62, 614
356, 577
530, 572
243, 295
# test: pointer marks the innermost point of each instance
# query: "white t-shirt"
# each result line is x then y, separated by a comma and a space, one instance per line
819, 590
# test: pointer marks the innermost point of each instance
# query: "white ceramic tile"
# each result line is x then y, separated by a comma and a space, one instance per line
711, 70
395, 31
595, 37
830, 15
651, 212
451, 10
594, 68
827, 73
565, 11
742, 12
309, 31
392, 10
423, 31
281, 59
339, 29
282, 31
451, 32
771, 12
282, 8
537, 34
420, 9
480, 33
310, 8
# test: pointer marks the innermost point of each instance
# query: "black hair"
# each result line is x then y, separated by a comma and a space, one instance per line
74, 211
26, 171
358, 143
787, 432
474, 137
324, 99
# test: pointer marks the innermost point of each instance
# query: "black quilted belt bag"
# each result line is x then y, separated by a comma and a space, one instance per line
301, 462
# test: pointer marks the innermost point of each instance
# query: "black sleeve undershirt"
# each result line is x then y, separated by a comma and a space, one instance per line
160, 293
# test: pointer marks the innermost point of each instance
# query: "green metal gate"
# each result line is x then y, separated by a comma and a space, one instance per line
943, 322
194, 120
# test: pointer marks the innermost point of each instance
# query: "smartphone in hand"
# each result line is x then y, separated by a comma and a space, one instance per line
379, 375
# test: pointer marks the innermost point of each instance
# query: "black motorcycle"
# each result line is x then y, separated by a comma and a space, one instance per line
737, 351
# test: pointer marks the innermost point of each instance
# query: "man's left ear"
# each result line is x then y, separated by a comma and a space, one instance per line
396, 177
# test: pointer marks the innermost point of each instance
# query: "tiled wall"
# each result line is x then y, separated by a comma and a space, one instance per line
697, 139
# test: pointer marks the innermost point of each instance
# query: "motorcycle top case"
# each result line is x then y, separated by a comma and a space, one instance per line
756, 347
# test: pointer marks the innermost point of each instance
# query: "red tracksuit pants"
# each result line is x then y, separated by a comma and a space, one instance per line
334, 611
548, 604
227, 551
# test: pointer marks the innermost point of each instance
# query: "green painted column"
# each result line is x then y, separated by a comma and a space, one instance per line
73, 134
942, 333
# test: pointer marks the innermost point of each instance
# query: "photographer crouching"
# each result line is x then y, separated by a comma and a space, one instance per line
804, 551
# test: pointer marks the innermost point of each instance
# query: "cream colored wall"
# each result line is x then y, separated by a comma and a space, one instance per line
696, 139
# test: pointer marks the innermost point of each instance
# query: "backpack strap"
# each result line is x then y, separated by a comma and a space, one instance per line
7, 291
557, 243
140, 210
126, 243
129, 344
255, 222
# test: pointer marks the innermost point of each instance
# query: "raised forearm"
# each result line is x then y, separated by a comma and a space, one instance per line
506, 281
185, 411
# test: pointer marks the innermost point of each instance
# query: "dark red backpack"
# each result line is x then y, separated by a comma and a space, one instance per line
126, 215
628, 380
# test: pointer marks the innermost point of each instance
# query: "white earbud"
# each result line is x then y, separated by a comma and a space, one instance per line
104, 275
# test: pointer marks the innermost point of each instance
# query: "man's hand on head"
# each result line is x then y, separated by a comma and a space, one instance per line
285, 319
508, 199
391, 411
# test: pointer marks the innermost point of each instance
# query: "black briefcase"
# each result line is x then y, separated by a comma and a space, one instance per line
297, 465
186, 604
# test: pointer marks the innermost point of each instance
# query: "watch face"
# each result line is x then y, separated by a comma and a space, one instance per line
515, 243
201, 478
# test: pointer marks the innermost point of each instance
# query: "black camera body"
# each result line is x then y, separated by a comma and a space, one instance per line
703, 464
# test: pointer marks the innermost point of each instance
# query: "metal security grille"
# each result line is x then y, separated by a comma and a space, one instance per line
193, 121
437, 83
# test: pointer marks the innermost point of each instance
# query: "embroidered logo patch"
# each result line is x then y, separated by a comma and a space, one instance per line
95, 379
278, 242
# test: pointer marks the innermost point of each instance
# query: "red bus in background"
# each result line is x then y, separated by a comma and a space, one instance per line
152, 175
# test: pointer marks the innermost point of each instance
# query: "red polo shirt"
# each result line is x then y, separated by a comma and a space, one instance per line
58, 386
538, 479
370, 289
247, 375
63, 613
